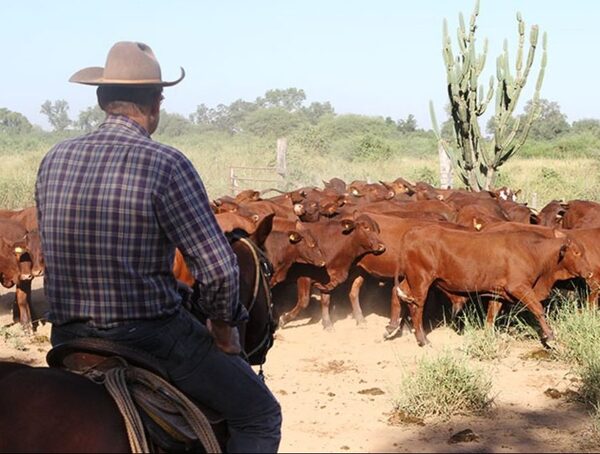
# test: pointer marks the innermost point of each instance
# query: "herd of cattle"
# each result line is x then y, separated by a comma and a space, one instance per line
467, 245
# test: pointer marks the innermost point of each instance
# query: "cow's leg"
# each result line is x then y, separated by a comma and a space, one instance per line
325, 318
458, 303
23, 297
399, 292
394, 328
355, 300
493, 309
532, 302
419, 287
303, 298
416, 314
593, 294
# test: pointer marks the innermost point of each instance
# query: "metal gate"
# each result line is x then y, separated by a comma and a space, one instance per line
239, 175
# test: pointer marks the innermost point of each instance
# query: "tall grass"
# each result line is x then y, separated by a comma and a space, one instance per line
444, 386
413, 156
578, 333
490, 343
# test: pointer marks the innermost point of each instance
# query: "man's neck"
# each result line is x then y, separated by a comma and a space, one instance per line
142, 120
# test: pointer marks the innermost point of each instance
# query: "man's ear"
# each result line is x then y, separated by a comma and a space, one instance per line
155, 107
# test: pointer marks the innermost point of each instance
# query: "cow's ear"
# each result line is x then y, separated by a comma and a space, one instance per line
263, 229
294, 237
562, 252
347, 226
563, 249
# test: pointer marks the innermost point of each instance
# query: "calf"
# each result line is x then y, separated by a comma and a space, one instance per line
343, 242
515, 266
581, 214
289, 243
15, 269
383, 265
26, 217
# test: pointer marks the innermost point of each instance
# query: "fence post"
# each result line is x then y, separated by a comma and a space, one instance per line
233, 181
281, 168
445, 167
534, 201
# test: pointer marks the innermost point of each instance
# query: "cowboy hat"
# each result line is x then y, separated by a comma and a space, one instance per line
127, 63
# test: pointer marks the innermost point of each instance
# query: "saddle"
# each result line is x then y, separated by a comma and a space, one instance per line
157, 415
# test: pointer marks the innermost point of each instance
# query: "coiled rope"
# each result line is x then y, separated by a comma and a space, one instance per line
117, 381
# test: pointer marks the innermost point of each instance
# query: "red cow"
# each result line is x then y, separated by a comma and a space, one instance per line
383, 266
514, 266
342, 241
289, 243
581, 214
552, 214
27, 217
17, 267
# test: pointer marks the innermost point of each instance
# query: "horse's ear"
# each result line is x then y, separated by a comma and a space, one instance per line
263, 228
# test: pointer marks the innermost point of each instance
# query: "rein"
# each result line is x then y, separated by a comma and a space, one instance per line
262, 276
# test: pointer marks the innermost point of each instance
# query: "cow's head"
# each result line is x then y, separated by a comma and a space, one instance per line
34, 245
9, 265
308, 248
17, 261
365, 231
572, 258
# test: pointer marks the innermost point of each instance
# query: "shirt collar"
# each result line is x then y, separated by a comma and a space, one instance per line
125, 122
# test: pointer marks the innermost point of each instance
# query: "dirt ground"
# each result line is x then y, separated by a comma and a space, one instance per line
337, 389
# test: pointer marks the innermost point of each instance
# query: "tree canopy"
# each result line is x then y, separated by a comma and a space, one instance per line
57, 113
13, 122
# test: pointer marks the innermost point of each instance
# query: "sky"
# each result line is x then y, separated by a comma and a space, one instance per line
368, 57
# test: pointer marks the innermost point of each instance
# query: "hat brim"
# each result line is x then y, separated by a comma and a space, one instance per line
94, 75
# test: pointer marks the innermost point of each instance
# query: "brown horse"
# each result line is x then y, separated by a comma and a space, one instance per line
52, 410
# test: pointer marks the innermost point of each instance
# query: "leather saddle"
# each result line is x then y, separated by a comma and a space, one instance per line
166, 427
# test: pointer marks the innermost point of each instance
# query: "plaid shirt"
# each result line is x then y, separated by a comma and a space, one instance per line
112, 207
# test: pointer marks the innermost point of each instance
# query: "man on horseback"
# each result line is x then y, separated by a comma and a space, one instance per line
112, 207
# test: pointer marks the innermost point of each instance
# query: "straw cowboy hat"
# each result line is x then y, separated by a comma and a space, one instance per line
127, 63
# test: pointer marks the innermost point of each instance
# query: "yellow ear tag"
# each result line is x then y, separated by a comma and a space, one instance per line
19, 250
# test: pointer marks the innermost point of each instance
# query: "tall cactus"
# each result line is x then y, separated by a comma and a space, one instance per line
476, 159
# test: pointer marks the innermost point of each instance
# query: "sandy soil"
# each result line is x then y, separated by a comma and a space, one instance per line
337, 389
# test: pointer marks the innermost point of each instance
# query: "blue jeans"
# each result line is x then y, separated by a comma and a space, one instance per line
226, 383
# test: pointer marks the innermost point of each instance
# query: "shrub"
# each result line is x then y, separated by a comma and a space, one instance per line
578, 334
444, 386
371, 147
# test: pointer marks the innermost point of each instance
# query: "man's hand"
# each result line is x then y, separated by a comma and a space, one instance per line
227, 338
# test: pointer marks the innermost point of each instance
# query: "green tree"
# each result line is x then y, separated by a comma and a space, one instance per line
271, 122
371, 147
173, 124
201, 116
550, 123
586, 125
318, 110
90, 118
57, 114
354, 125
290, 99
13, 122
408, 125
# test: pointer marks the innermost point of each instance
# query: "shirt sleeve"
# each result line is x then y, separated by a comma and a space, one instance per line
184, 213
